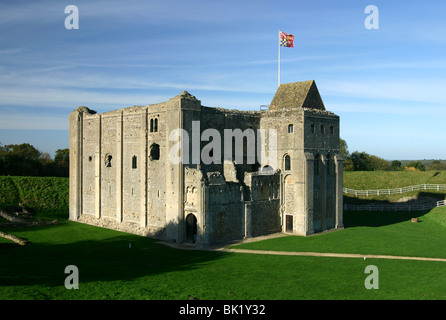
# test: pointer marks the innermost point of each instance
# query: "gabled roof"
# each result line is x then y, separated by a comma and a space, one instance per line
293, 95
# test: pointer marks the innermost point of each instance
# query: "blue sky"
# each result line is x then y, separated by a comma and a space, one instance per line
387, 85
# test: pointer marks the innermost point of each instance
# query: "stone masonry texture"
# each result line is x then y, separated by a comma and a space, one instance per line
122, 175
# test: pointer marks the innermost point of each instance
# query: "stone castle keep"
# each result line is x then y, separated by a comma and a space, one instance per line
122, 176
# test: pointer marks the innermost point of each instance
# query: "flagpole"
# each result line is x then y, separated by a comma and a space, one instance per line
278, 43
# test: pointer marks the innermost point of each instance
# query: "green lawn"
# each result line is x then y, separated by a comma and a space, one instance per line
384, 233
109, 269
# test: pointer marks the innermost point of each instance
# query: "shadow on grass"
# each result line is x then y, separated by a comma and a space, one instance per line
100, 255
382, 218
378, 218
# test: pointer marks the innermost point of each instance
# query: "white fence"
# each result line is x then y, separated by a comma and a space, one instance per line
368, 193
393, 207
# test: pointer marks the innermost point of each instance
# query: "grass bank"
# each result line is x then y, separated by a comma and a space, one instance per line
44, 195
373, 180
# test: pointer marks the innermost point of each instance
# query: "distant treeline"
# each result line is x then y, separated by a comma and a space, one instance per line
25, 160
362, 161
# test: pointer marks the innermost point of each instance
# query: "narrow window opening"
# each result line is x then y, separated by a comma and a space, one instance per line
134, 162
287, 162
155, 127
290, 128
108, 159
322, 129
151, 125
312, 128
331, 130
154, 152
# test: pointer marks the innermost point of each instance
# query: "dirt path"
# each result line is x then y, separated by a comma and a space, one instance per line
333, 255
291, 253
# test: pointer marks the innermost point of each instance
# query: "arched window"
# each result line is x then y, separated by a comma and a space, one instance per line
155, 127
151, 125
287, 162
290, 128
134, 162
267, 169
154, 152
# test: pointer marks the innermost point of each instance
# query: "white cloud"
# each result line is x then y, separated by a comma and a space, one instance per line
33, 122
399, 89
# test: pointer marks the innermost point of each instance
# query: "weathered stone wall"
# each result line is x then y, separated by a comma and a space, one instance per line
264, 207
90, 163
225, 216
121, 175
156, 169
321, 139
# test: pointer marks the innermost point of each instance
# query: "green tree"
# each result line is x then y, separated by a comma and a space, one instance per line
417, 165
62, 155
21, 160
396, 165
25, 160
343, 149
361, 161
377, 163
24, 150
436, 165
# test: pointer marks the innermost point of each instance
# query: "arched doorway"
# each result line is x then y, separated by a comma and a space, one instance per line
191, 228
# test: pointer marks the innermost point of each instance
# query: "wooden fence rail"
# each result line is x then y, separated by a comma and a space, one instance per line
394, 207
368, 193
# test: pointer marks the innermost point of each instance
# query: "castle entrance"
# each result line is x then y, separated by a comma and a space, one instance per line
289, 223
191, 228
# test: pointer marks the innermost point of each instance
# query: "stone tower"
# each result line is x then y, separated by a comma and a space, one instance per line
308, 151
